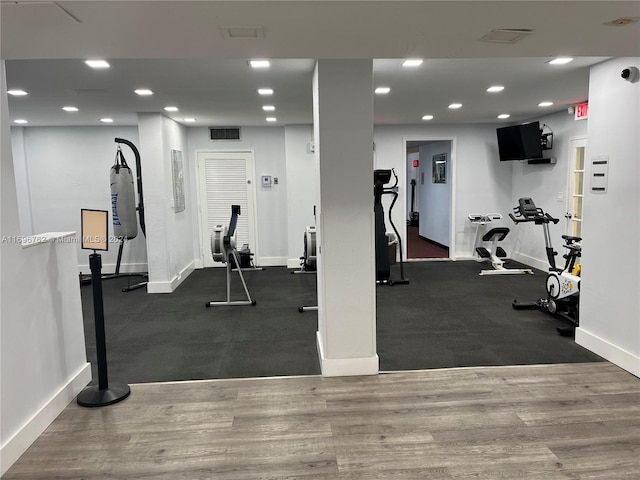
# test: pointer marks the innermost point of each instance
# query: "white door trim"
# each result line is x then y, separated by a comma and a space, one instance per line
452, 178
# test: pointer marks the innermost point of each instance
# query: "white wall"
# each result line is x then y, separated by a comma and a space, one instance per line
610, 303
169, 234
268, 144
435, 198
42, 350
302, 194
65, 169
480, 181
546, 185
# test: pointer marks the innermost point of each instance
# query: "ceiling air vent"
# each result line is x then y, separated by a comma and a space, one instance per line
224, 133
506, 35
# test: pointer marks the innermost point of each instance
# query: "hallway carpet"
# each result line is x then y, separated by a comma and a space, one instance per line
420, 248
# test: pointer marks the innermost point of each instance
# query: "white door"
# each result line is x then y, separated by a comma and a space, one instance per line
576, 186
226, 178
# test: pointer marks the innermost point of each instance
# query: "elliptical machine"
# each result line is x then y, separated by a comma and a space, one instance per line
383, 268
562, 284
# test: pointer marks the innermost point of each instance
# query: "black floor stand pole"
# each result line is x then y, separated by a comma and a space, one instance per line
102, 394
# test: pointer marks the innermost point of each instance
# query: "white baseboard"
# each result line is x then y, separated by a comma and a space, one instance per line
345, 367
38, 423
293, 263
273, 262
532, 262
613, 353
170, 286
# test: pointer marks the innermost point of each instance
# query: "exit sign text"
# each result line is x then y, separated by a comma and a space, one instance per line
582, 111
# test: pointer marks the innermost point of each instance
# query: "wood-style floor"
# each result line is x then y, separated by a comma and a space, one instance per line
568, 421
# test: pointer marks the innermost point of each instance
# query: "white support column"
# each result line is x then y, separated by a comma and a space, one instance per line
343, 131
154, 175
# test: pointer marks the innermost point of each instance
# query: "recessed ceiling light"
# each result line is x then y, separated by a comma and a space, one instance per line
545, 104
189, 119
143, 92
265, 91
97, 63
260, 63
495, 88
268, 108
70, 109
455, 106
427, 117
412, 62
271, 119
17, 93
106, 120
20, 120
170, 109
502, 116
560, 60
382, 90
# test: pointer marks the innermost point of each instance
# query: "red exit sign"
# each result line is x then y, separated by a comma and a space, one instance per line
582, 111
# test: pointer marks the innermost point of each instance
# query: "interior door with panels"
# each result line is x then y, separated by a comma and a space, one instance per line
226, 178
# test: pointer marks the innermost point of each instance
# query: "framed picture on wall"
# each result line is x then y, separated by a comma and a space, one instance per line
440, 168
178, 180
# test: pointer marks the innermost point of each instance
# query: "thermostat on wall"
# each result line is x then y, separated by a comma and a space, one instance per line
266, 180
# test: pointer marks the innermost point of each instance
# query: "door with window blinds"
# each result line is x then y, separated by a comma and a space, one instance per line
226, 178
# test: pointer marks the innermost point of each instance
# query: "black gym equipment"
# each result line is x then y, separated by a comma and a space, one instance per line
562, 284
308, 260
223, 249
383, 264
414, 217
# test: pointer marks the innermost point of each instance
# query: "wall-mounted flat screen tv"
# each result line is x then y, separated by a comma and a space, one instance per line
519, 142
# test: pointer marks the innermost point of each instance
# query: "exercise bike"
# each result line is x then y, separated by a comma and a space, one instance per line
223, 249
562, 284
495, 254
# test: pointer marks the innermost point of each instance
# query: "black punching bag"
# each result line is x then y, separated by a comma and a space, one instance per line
123, 204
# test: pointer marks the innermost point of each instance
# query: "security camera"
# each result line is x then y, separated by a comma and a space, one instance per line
630, 74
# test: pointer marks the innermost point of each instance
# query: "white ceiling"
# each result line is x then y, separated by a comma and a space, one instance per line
181, 52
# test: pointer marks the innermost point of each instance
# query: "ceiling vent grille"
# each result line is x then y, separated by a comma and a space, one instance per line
508, 35
224, 133
242, 32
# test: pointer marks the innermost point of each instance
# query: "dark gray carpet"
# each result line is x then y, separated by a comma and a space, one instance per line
447, 317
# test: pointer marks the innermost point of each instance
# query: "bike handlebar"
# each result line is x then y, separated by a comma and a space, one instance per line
539, 217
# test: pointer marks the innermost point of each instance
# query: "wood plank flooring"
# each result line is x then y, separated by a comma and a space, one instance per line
567, 421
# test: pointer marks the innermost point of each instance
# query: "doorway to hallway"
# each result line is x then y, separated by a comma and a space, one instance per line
429, 183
